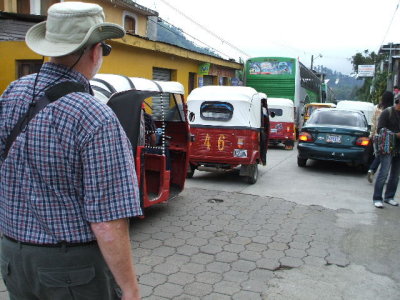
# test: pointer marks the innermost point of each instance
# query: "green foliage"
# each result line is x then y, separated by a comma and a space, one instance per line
372, 88
365, 58
378, 86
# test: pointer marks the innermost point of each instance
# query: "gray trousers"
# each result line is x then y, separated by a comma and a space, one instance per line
60, 273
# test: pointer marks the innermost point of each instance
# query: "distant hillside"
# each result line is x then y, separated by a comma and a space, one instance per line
343, 86
170, 34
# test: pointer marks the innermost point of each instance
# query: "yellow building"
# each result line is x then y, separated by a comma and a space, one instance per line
137, 54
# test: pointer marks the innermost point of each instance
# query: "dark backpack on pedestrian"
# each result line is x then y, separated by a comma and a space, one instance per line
50, 95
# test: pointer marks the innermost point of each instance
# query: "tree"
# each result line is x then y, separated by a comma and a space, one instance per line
373, 88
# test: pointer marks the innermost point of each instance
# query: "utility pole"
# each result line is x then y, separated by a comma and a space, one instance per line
389, 83
312, 61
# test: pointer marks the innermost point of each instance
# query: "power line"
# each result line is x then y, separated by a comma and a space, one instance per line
205, 29
186, 34
294, 49
390, 24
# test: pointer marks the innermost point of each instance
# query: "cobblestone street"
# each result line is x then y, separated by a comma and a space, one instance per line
221, 245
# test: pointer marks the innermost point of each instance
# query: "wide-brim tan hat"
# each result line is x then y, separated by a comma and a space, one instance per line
71, 26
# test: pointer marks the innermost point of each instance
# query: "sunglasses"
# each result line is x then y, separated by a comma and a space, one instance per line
106, 48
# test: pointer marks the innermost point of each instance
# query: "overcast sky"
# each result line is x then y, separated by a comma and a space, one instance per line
337, 29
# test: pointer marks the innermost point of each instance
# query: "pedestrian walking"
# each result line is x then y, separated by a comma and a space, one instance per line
67, 180
386, 101
396, 92
388, 149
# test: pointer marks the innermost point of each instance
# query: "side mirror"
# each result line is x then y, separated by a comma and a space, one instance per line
192, 117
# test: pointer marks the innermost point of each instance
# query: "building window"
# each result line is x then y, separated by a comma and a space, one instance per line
23, 7
45, 4
130, 23
191, 83
25, 67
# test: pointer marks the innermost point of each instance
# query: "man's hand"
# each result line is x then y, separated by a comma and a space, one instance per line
114, 243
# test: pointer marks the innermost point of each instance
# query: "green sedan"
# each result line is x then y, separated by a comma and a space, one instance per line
335, 135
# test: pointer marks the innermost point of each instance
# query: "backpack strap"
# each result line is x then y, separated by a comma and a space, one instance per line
50, 95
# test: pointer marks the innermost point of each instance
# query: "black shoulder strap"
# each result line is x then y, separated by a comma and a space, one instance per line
50, 95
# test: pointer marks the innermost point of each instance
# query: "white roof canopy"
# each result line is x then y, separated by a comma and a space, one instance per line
246, 104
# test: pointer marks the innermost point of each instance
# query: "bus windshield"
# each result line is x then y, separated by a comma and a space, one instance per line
271, 67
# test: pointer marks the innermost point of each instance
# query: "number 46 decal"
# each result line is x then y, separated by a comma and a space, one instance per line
221, 142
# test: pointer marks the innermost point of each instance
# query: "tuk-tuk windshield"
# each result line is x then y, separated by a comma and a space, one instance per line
217, 111
166, 106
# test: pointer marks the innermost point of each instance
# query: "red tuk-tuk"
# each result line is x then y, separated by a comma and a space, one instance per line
229, 126
282, 122
161, 166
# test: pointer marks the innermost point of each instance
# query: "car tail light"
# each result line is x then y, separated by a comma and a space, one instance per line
305, 137
254, 137
290, 131
240, 142
363, 141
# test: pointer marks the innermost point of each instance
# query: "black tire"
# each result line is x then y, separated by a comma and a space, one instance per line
190, 171
301, 162
364, 168
252, 179
289, 146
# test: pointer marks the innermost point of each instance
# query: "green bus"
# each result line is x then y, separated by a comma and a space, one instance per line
283, 77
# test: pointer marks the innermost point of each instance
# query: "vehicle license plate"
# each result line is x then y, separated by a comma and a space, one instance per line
333, 138
239, 153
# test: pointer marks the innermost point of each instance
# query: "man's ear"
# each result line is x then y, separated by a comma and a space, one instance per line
95, 51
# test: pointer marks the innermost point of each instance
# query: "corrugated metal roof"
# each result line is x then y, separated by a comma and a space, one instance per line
13, 26
22, 17
133, 6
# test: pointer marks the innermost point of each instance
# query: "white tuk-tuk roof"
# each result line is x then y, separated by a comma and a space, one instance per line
286, 106
246, 102
120, 83
272, 102
366, 107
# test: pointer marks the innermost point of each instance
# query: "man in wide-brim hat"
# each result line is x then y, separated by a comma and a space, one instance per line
67, 180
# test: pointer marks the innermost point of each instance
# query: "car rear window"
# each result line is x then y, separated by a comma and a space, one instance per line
218, 111
337, 117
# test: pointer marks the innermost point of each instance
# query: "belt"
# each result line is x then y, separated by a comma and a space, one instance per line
58, 245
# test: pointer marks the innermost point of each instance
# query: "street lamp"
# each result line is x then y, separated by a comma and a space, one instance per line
312, 60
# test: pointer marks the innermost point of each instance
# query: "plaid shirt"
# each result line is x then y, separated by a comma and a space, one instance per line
73, 165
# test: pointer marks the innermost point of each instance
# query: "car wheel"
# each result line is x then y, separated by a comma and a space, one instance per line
301, 162
252, 179
364, 168
190, 171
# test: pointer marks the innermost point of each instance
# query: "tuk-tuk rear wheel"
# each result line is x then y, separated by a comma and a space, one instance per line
190, 171
252, 179
288, 147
